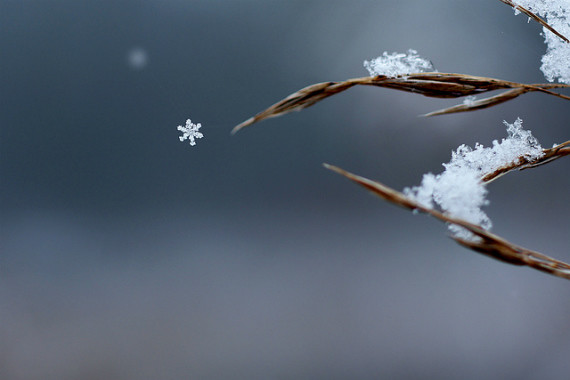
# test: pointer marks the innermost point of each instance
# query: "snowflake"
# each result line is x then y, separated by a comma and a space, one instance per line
190, 132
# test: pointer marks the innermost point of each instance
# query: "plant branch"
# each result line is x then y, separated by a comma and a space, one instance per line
435, 85
535, 18
487, 243
522, 163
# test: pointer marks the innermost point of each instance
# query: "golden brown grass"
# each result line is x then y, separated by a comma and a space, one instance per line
446, 85
535, 18
522, 163
486, 243
435, 85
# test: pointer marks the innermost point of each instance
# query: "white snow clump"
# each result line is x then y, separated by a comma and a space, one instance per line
459, 191
190, 132
392, 65
556, 61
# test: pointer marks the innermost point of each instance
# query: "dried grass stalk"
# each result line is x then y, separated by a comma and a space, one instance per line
446, 85
480, 103
487, 243
535, 18
435, 85
522, 163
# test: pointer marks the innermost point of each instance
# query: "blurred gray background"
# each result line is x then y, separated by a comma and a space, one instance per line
126, 254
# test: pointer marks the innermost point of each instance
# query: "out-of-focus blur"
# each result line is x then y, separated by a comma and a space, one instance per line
126, 254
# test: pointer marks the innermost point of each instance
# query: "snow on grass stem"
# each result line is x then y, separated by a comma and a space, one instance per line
555, 63
459, 190
392, 65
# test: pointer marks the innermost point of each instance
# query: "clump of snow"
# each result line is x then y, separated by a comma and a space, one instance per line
556, 61
459, 191
396, 64
190, 132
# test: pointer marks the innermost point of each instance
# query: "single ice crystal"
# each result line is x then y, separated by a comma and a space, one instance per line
190, 132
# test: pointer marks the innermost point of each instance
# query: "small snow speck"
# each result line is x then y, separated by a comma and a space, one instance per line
469, 100
137, 58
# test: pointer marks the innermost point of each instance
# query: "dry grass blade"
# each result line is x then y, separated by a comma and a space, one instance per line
303, 98
498, 99
535, 18
435, 85
480, 103
522, 163
487, 244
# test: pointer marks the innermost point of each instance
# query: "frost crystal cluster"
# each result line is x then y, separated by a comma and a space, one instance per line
190, 132
556, 61
459, 191
396, 64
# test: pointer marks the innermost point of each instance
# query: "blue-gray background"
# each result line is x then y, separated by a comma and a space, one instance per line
126, 254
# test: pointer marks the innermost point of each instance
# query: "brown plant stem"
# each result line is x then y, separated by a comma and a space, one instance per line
435, 85
535, 18
487, 243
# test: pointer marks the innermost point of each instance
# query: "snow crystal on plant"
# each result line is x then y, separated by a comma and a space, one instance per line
459, 191
396, 64
556, 61
469, 100
190, 132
